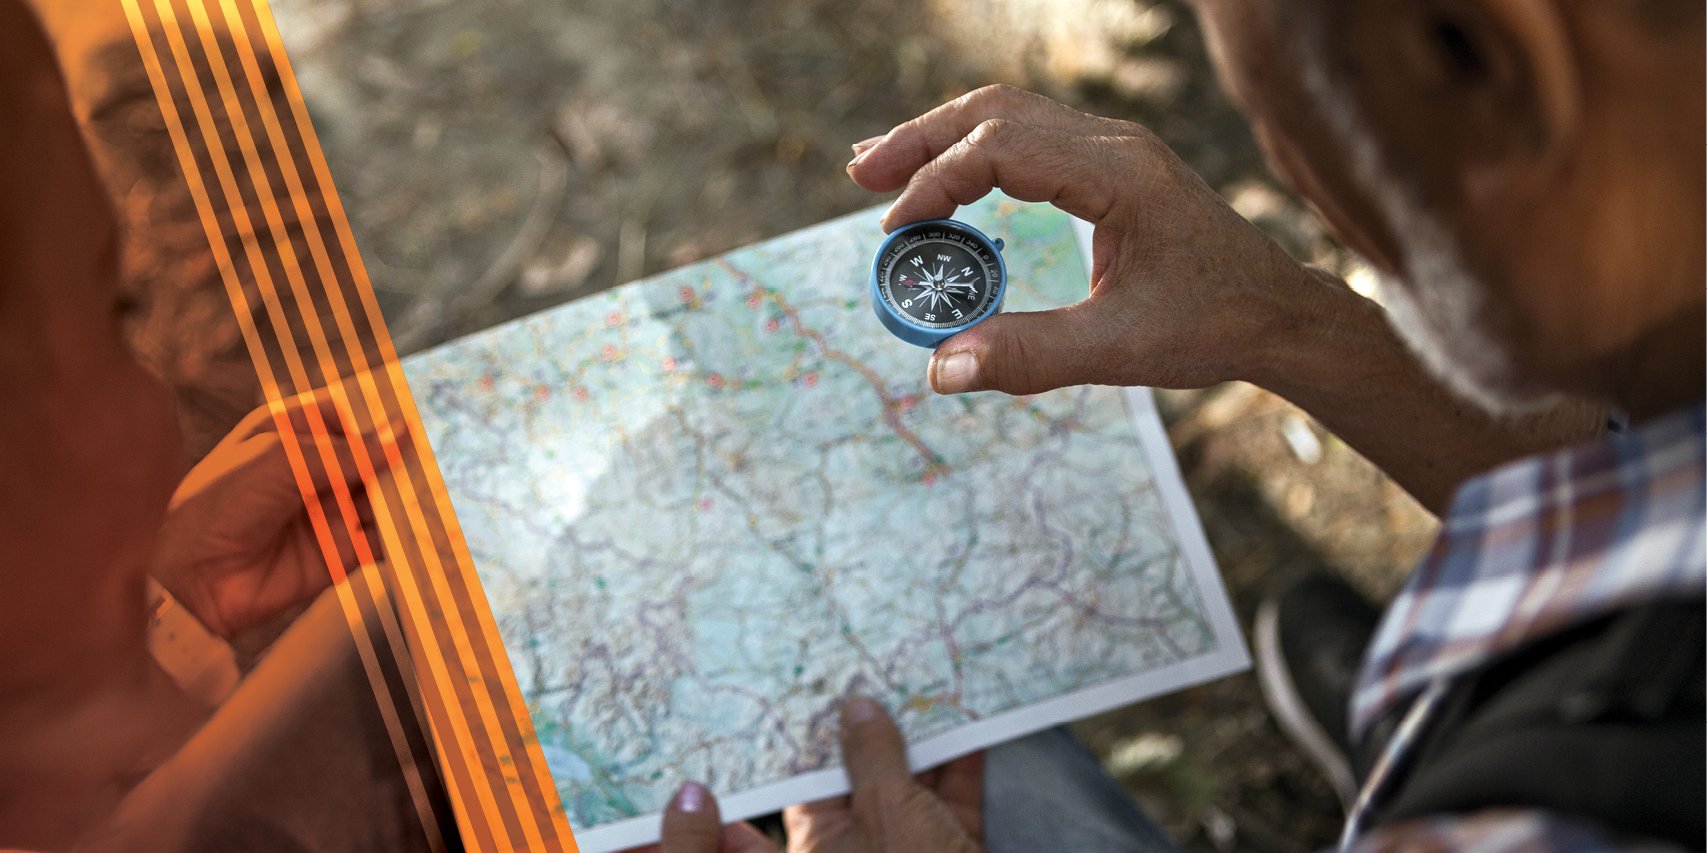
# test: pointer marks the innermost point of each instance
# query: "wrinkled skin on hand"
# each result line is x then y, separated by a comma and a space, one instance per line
1181, 285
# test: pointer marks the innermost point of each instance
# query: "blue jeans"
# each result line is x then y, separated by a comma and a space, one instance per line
1047, 792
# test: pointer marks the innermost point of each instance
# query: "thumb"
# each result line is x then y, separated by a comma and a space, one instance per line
1022, 353
691, 821
873, 750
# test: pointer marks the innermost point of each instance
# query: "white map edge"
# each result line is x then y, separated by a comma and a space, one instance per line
1230, 656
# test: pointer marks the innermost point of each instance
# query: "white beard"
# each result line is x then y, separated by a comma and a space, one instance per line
1441, 311
1443, 328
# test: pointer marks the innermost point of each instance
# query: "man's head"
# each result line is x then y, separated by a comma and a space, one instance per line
1527, 176
89, 447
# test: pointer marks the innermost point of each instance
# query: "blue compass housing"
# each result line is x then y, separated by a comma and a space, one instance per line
932, 280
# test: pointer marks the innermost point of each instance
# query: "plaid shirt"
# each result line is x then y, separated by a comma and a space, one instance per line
1531, 549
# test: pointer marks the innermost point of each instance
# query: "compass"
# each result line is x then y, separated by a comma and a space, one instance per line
934, 279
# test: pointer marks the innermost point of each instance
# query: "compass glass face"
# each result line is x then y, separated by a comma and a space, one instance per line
939, 276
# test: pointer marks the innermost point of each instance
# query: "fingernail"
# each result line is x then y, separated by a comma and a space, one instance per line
860, 709
691, 798
956, 372
865, 145
862, 148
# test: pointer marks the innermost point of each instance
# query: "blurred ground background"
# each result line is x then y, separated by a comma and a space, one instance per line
501, 156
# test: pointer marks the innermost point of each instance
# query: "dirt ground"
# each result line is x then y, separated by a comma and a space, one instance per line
498, 158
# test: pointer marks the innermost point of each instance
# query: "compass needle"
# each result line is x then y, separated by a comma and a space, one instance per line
933, 279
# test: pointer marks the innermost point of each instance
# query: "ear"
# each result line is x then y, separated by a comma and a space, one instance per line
1532, 49
1487, 89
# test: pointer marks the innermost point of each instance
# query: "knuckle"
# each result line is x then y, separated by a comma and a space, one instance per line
1122, 127
995, 95
917, 802
910, 126
1002, 93
992, 133
871, 803
1149, 147
914, 819
896, 796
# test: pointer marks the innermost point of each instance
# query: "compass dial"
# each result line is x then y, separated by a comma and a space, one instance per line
939, 276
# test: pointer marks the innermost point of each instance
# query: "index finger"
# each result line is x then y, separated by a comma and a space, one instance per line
889, 163
1071, 171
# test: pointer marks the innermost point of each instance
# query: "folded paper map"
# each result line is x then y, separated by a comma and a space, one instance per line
706, 505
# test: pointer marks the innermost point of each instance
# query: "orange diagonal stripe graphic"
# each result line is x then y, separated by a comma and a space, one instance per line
496, 775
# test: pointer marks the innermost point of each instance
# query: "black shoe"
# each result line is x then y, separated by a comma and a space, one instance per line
1310, 641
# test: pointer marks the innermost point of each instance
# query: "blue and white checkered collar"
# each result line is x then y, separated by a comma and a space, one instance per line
1540, 545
